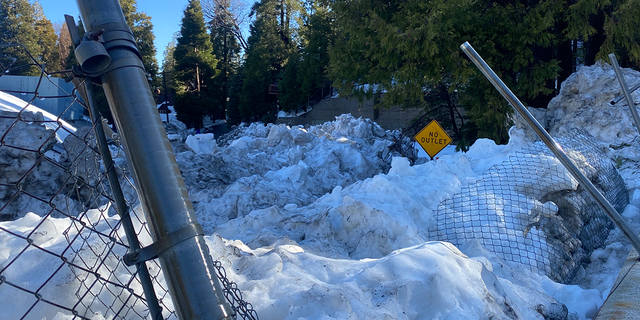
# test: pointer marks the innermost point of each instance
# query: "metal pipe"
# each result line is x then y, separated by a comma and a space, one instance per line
86, 90
121, 206
619, 98
625, 90
555, 148
187, 265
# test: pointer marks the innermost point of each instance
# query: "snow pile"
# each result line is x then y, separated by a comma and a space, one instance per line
22, 166
530, 210
91, 276
432, 280
267, 165
15, 105
323, 223
584, 102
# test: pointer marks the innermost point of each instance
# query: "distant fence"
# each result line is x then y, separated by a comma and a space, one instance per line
531, 211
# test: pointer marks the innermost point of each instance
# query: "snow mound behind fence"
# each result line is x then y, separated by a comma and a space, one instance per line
61, 241
530, 210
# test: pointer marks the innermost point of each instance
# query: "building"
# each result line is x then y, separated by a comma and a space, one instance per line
54, 94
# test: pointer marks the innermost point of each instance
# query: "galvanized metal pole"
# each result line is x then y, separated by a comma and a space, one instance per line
179, 243
121, 206
619, 98
625, 90
86, 92
555, 148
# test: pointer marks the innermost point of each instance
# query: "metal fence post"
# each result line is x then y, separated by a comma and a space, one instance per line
86, 90
178, 238
555, 148
625, 90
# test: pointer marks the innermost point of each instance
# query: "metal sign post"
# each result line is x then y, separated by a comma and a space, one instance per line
555, 148
108, 52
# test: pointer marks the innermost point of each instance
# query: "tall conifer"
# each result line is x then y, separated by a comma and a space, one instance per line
195, 68
270, 45
18, 25
142, 28
227, 49
47, 40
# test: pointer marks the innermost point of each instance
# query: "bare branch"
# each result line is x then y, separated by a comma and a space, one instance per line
230, 14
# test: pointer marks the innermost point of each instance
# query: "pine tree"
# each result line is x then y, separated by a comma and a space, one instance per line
234, 116
306, 69
606, 26
65, 45
18, 26
47, 40
270, 45
318, 37
142, 28
168, 70
227, 49
195, 68
410, 51
292, 95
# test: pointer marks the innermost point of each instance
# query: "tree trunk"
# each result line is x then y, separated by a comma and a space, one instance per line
595, 41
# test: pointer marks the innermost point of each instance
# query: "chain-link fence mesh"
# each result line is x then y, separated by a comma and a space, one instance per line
61, 240
530, 210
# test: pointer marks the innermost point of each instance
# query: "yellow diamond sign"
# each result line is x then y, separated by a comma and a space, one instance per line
433, 138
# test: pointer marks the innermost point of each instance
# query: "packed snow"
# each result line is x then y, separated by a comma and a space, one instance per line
328, 222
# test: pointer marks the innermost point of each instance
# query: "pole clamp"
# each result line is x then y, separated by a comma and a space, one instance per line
157, 248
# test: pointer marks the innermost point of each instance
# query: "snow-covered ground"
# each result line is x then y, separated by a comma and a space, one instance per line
327, 222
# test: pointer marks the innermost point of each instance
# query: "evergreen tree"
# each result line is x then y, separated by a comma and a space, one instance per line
47, 40
168, 68
195, 68
410, 51
18, 26
142, 28
292, 95
235, 13
234, 116
606, 26
65, 46
318, 38
270, 45
227, 49
306, 69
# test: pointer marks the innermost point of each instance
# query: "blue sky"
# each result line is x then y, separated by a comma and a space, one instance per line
166, 16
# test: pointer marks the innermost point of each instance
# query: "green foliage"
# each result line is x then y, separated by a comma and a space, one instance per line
227, 49
270, 44
168, 66
142, 28
291, 93
195, 67
317, 38
409, 49
622, 30
191, 107
47, 40
306, 69
18, 25
233, 106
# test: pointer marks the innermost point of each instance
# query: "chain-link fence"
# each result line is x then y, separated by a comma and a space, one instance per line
61, 240
530, 210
